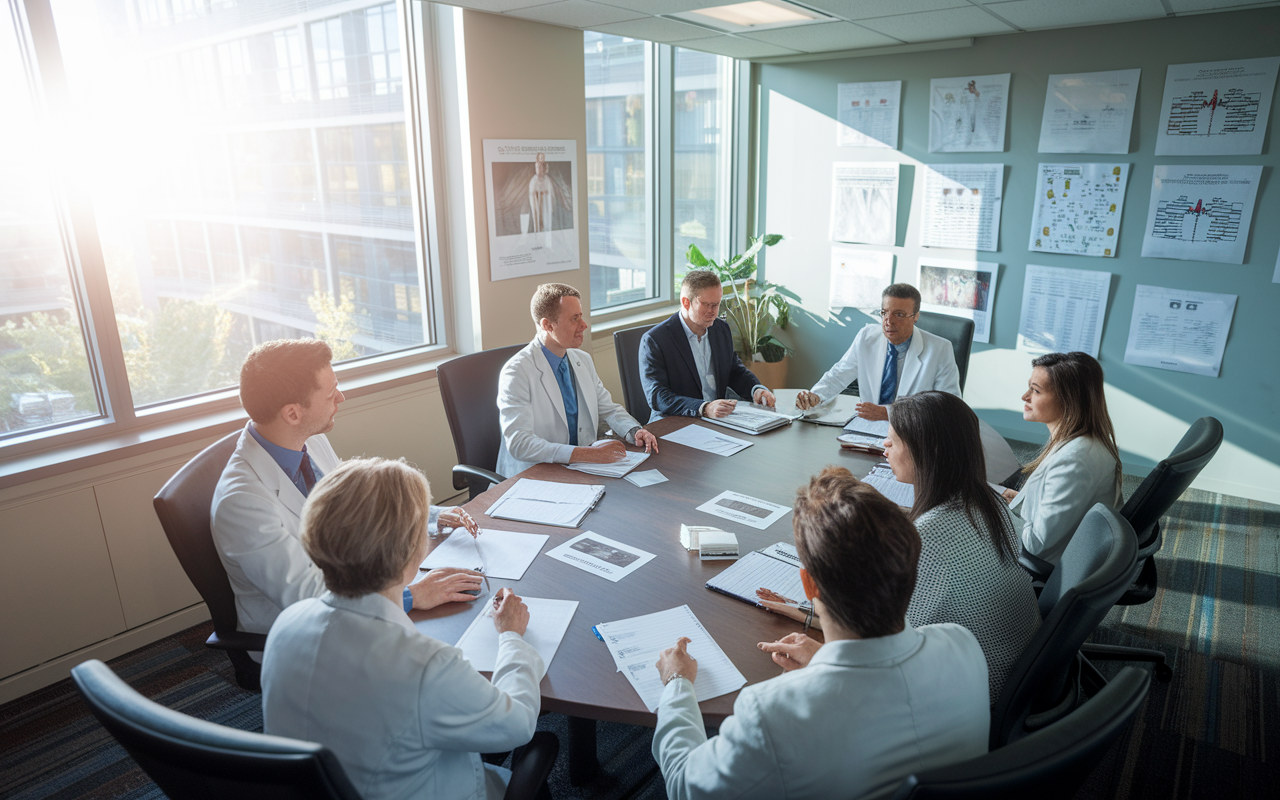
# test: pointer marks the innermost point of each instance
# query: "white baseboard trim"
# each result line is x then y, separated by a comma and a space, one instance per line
50, 672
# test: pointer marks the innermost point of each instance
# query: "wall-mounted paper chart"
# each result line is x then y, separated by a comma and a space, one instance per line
1062, 310
1216, 108
961, 289
1201, 213
858, 276
864, 202
1179, 330
967, 115
961, 206
1078, 208
1089, 112
867, 114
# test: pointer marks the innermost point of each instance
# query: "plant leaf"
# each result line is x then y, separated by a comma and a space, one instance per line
771, 239
695, 256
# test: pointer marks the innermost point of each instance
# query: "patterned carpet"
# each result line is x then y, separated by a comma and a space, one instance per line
1205, 735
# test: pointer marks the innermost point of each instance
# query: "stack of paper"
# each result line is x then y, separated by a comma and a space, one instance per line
547, 503
615, 470
548, 620
752, 419
835, 412
636, 642
881, 479
699, 438
502, 554
869, 427
862, 441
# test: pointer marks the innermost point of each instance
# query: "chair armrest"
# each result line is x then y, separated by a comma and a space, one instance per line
237, 640
531, 765
466, 470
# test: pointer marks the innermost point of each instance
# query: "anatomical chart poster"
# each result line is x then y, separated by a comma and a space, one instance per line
967, 115
1201, 213
1217, 108
1078, 207
532, 187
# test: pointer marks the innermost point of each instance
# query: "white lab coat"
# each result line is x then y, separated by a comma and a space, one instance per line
535, 429
406, 715
1056, 496
858, 719
930, 363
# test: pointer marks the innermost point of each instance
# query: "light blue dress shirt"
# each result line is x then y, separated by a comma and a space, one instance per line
568, 391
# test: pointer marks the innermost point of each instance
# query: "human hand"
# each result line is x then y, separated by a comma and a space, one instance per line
792, 651
764, 397
445, 585
457, 517
780, 605
872, 411
1009, 495
646, 438
719, 408
807, 400
605, 451
675, 660
510, 613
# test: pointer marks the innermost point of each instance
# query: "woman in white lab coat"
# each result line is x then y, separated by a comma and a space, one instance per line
406, 715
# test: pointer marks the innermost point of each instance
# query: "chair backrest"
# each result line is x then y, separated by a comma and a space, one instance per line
193, 758
1097, 567
469, 388
1051, 763
182, 505
626, 343
1171, 477
957, 330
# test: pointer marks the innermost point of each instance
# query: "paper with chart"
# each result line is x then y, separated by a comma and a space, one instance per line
547, 502
1089, 112
867, 114
600, 555
967, 115
548, 621
745, 509
635, 644
960, 289
1062, 310
864, 202
1216, 107
858, 277
961, 206
881, 479
1078, 207
1201, 213
1179, 330
700, 438
503, 554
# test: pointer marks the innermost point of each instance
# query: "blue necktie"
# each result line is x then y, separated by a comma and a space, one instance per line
308, 474
889, 381
570, 400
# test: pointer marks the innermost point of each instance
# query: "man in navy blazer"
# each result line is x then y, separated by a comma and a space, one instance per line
688, 364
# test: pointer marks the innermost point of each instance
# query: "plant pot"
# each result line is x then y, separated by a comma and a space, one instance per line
772, 375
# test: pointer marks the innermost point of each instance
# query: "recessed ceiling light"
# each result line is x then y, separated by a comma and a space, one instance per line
756, 15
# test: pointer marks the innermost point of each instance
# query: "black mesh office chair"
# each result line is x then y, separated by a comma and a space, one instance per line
200, 760
1050, 764
957, 330
626, 344
469, 388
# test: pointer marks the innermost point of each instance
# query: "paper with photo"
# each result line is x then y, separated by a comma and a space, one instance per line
600, 555
531, 187
1089, 112
1078, 208
647, 478
967, 115
700, 438
1062, 310
750, 511
548, 621
1179, 330
959, 289
858, 277
960, 206
503, 554
1216, 108
864, 202
1201, 213
867, 114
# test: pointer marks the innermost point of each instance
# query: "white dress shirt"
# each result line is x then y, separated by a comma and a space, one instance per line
1056, 496
701, 347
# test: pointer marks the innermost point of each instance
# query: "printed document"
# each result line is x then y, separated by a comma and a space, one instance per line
548, 621
1089, 112
700, 438
959, 289
858, 277
881, 479
646, 478
835, 412
1078, 209
1201, 213
867, 114
502, 554
547, 502
1062, 310
967, 115
1216, 108
636, 642
864, 202
1179, 330
752, 419
756, 570
871, 427
600, 555
960, 206
750, 511
617, 469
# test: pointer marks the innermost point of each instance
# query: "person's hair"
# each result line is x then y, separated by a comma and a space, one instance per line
859, 548
364, 522
1076, 381
546, 301
941, 433
696, 280
280, 372
903, 291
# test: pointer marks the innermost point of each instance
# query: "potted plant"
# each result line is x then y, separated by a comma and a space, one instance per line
753, 307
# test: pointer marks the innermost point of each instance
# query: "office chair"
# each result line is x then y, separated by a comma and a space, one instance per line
626, 344
469, 388
183, 506
957, 330
1046, 682
200, 760
1050, 764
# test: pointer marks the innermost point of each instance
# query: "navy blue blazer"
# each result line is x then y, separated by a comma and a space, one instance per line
670, 377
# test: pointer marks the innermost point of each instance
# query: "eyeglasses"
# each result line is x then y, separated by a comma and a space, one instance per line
884, 312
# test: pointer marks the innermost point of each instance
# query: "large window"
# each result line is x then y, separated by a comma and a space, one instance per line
234, 173
702, 119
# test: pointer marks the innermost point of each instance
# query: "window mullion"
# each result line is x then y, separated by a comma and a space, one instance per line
663, 184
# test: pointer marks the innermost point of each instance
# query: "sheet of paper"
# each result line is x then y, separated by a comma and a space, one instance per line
867, 114
548, 621
858, 277
836, 411
871, 427
750, 511
1216, 108
617, 469
547, 502
1179, 330
503, 554
1201, 213
600, 555
754, 571
700, 438
1089, 112
961, 289
1078, 208
967, 115
636, 642
647, 478
1062, 310
961, 206
864, 202
881, 479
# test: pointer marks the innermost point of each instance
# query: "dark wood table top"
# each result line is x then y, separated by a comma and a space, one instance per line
582, 680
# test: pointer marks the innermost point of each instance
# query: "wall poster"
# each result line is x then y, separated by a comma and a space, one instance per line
532, 188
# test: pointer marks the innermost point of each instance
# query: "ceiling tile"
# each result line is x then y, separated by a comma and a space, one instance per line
1183, 6
1032, 14
496, 6
738, 48
667, 6
823, 37
654, 29
929, 25
576, 14
866, 9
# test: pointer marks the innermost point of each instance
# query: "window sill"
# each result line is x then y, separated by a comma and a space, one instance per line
648, 316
